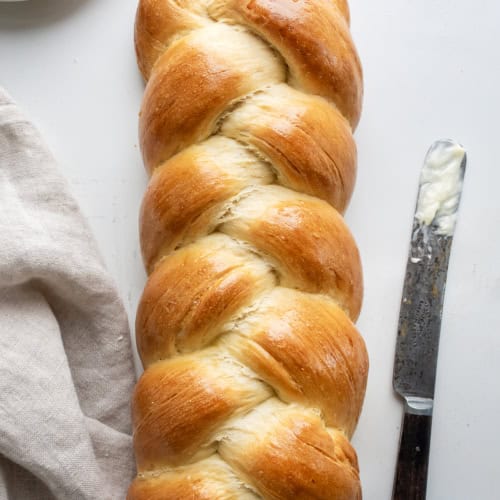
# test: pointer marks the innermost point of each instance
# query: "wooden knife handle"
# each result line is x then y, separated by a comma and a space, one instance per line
411, 471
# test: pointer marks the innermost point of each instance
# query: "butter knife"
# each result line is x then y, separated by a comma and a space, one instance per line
419, 327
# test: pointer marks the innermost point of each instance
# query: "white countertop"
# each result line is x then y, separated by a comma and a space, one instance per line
432, 70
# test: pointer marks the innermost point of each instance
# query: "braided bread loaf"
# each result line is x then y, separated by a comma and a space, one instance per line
254, 373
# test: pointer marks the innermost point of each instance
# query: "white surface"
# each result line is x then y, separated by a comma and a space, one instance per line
431, 70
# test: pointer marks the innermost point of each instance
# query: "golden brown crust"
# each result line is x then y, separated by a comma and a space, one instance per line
308, 142
185, 193
254, 371
293, 457
193, 293
171, 119
208, 480
179, 404
161, 438
313, 37
323, 261
343, 6
316, 155
194, 83
158, 23
308, 351
307, 240
159, 488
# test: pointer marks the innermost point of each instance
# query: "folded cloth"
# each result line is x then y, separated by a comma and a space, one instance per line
66, 367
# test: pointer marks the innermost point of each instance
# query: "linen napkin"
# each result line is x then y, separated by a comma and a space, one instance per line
66, 367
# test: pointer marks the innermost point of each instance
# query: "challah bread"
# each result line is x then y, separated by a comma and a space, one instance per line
254, 371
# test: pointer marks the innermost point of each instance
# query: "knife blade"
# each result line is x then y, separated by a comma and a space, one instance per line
417, 344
